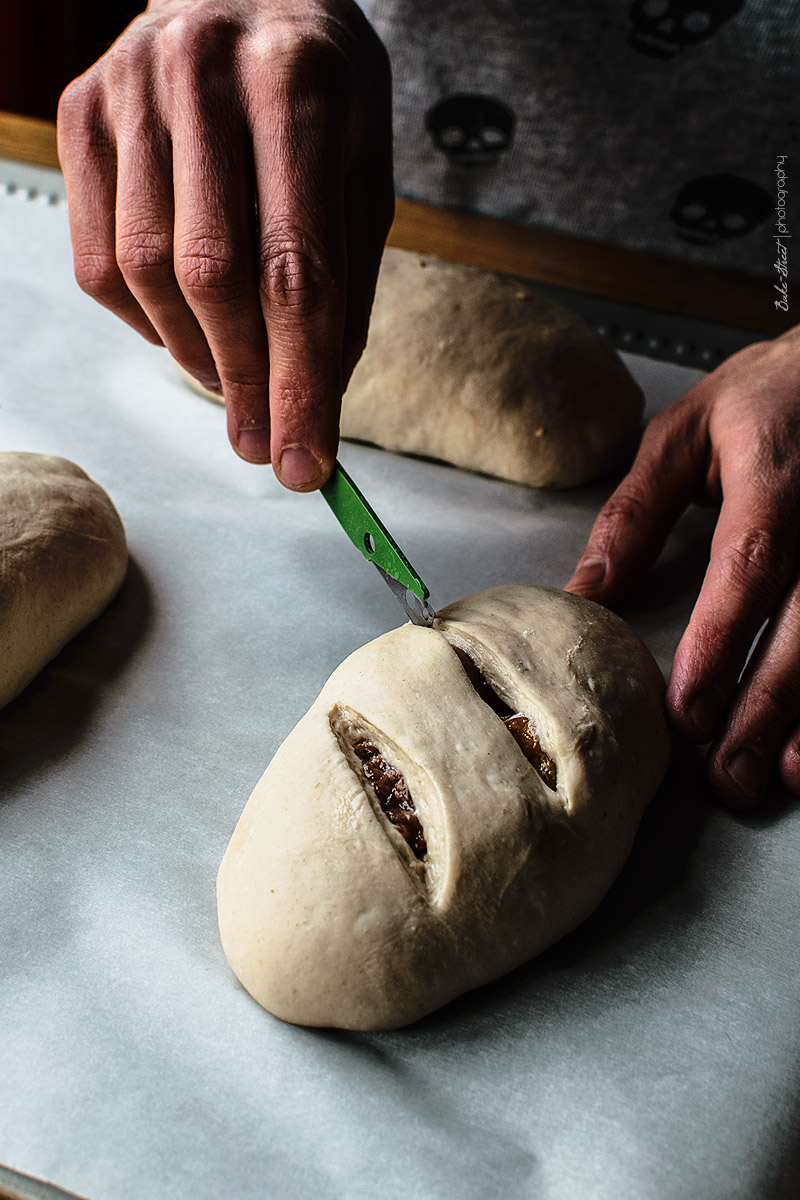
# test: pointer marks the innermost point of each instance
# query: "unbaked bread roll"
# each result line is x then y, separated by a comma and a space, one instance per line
62, 558
481, 371
455, 800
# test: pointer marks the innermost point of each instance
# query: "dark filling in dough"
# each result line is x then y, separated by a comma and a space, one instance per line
518, 725
392, 793
523, 732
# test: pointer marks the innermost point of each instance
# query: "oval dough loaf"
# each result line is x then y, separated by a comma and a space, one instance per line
62, 558
479, 370
482, 372
330, 915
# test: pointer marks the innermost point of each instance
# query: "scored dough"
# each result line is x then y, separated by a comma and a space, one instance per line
62, 559
481, 371
332, 912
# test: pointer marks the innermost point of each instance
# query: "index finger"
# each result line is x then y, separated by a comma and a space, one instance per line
749, 571
299, 166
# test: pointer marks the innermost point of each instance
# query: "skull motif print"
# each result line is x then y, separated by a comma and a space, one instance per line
662, 28
470, 130
712, 208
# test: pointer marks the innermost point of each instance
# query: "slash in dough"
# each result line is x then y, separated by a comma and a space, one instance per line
340, 906
63, 556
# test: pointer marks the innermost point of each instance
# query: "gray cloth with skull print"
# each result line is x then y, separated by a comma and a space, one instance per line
654, 124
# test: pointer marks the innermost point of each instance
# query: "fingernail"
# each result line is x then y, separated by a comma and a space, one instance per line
703, 711
746, 770
253, 444
298, 466
589, 573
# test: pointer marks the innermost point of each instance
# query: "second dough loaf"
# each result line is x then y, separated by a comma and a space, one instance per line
63, 556
481, 371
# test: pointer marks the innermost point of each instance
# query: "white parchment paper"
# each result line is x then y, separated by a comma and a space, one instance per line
652, 1055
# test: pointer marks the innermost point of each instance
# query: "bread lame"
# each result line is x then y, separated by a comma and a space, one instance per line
369, 535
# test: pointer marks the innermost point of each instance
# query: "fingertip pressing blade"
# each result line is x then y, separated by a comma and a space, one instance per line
369, 535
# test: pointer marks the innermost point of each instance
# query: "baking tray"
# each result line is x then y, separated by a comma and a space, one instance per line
651, 1055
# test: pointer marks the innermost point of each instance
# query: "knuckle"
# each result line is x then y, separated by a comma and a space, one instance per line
97, 274
288, 44
675, 431
758, 560
178, 36
207, 271
75, 100
116, 87
301, 59
623, 510
660, 432
144, 257
322, 61
275, 48
198, 43
127, 64
182, 37
82, 126
659, 424
294, 277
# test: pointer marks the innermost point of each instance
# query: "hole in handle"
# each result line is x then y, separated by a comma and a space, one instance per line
369, 543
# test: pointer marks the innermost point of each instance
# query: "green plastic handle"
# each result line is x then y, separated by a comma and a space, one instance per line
367, 532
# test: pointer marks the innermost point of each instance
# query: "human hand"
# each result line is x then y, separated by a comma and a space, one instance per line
228, 172
735, 437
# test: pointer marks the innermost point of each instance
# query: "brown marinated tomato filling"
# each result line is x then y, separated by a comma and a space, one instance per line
518, 725
392, 793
